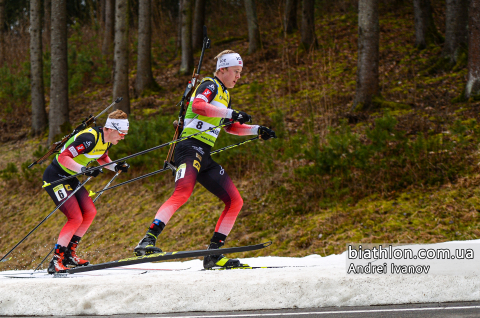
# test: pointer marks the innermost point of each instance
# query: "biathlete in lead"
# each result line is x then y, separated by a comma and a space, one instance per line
88, 145
208, 106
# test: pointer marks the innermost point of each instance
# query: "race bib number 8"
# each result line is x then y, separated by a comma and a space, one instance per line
180, 171
60, 192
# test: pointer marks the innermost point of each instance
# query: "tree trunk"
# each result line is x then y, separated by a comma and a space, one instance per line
254, 43
101, 12
120, 80
39, 116
47, 22
368, 53
178, 45
187, 53
456, 33
473, 80
308, 38
58, 114
290, 19
2, 32
198, 22
144, 78
109, 27
425, 31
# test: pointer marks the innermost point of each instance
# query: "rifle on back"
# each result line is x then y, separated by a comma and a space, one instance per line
192, 84
57, 146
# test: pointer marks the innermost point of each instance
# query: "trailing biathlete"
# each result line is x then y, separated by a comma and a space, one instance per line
208, 106
87, 146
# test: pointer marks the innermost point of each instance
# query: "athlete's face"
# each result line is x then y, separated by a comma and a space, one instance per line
230, 75
113, 136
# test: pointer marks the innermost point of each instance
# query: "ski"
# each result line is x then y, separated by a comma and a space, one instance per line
166, 256
56, 275
128, 271
245, 267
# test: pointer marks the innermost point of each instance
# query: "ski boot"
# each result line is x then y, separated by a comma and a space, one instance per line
211, 261
71, 257
56, 264
147, 245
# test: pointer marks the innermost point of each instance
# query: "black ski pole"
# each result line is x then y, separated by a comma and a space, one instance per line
43, 260
105, 187
132, 180
100, 193
165, 169
234, 145
58, 206
140, 153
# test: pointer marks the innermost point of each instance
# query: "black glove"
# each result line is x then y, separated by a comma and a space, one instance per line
91, 172
241, 117
122, 166
266, 133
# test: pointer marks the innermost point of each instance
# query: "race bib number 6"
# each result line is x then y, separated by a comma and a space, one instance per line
60, 192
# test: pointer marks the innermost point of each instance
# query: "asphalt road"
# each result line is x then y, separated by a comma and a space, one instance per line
442, 310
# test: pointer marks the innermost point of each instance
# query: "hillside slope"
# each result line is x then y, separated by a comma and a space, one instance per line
369, 188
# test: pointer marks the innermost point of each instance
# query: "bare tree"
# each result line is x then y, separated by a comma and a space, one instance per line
109, 27
198, 22
101, 12
368, 53
290, 19
254, 42
47, 21
39, 116
186, 12
120, 56
473, 81
58, 114
144, 78
178, 43
2, 32
308, 38
456, 34
425, 30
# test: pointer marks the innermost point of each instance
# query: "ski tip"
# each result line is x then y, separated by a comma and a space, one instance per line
267, 243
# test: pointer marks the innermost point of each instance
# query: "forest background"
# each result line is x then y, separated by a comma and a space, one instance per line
376, 113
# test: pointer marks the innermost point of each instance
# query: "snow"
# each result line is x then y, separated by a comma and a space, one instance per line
311, 281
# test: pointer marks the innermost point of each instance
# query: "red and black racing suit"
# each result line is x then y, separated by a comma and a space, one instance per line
208, 173
79, 209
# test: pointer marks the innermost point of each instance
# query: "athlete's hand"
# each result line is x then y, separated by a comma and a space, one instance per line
241, 117
122, 166
266, 133
91, 172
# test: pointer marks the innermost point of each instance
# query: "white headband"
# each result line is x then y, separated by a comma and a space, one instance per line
118, 124
231, 59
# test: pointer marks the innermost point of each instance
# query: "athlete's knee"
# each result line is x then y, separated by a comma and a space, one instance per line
182, 197
239, 201
236, 202
76, 220
90, 213
181, 194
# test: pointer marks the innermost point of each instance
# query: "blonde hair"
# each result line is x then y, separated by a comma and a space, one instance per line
118, 114
219, 56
